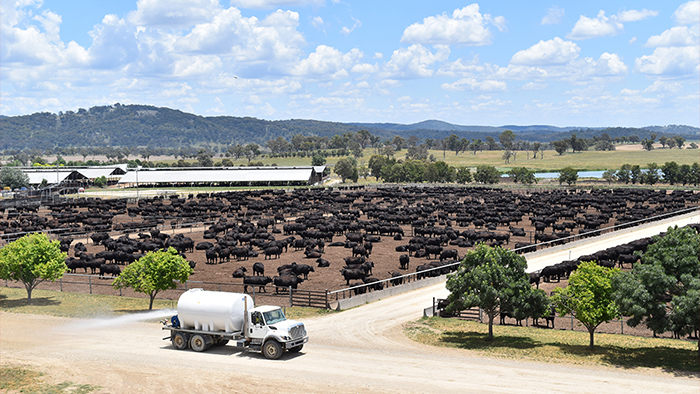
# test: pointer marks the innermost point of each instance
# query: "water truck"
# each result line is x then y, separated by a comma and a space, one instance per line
213, 318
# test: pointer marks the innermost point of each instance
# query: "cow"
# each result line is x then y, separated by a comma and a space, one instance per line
239, 273
212, 256
451, 254
272, 251
354, 260
433, 250
259, 281
258, 269
111, 269
374, 283
535, 278
302, 269
403, 261
359, 251
398, 280
322, 263
286, 281
349, 274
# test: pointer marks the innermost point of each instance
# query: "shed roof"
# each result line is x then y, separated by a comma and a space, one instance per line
223, 174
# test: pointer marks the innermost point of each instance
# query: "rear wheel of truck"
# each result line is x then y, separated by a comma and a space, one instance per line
179, 341
296, 349
272, 350
198, 343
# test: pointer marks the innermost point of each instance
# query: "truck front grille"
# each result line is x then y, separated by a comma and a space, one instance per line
297, 331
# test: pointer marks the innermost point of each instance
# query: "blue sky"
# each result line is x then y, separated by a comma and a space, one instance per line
592, 63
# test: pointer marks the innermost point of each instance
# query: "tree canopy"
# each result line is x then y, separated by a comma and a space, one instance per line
13, 178
568, 175
154, 272
658, 289
31, 260
589, 296
493, 279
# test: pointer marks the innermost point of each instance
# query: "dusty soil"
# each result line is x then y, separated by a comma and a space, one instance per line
356, 351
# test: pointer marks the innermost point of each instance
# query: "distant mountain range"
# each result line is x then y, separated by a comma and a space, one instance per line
142, 125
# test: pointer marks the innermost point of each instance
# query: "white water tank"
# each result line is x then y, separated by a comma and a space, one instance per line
213, 310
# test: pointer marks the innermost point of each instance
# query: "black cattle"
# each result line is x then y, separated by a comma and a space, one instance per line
359, 250
204, 246
424, 267
449, 254
354, 260
312, 254
212, 256
239, 273
286, 281
258, 269
403, 261
374, 283
398, 280
272, 251
535, 278
627, 259
433, 250
518, 232
368, 247
349, 274
99, 237
111, 269
524, 247
302, 269
259, 281
323, 263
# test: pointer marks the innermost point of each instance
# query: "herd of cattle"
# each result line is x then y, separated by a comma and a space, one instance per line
431, 227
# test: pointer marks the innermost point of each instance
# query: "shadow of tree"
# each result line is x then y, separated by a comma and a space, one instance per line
35, 301
478, 341
680, 362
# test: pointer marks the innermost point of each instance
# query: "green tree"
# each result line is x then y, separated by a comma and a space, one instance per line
464, 175
490, 278
101, 181
251, 151
668, 270
155, 272
31, 260
589, 296
204, 159
635, 173
522, 175
507, 138
609, 176
568, 175
648, 144
13, 178
491, 143
318, 160
624, 174
487, 174
679, 141
651, 175
345, 168
560, 146
375, 164
670, 171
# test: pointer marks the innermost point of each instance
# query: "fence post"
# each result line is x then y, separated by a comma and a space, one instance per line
291, 302
622, 325
60, 281
253, 287
328, 304
90, 280
572, 322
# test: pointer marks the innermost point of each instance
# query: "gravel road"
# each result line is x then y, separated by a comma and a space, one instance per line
359, 350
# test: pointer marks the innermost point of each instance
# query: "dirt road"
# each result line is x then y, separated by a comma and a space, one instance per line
359, 350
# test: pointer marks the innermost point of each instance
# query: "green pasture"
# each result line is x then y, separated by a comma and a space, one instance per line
560, 346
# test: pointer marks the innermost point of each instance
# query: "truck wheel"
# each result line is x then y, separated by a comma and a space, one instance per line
198, 343
272, 350
179, 341
296, 349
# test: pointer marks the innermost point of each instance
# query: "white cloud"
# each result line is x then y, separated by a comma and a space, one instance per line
173, 13
414, 61
632, 40
266, 4
674, 61
553, 17
114, 43
378, 55
636, 15
317, 22
534, 86
328, 62
364, 68
688, 13
664, 87
674, 37
550, 52
466, 26
347, 30
629, 92
600, 26
475, 84
461, 68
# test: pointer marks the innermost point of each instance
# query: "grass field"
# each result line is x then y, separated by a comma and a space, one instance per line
563, 346
552, 161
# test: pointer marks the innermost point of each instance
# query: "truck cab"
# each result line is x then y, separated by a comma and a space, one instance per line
269, 329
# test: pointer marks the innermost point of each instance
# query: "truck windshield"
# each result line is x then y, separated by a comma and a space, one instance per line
273, 317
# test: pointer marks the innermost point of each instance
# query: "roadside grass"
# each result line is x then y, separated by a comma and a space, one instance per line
559, 346
23, 380
81, 305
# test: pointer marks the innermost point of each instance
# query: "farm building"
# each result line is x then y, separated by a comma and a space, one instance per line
223, 176
83, 175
